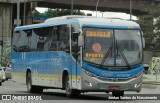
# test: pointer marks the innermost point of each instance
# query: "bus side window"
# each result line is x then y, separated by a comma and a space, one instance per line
54, 39
40, 38
23, 41
33, 41
40, 43
47, 43
16, 36
64, 43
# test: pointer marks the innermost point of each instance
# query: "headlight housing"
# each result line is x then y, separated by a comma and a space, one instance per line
137, 75
89, 73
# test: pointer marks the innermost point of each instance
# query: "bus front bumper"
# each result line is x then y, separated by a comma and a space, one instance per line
104, 84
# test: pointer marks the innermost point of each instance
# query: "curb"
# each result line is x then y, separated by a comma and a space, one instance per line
151, 82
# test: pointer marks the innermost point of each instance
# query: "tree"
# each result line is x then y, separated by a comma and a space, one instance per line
63, 12
150, 24
57, 12
50, 13
47, 14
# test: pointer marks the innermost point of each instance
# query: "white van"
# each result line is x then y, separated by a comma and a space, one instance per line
1, 75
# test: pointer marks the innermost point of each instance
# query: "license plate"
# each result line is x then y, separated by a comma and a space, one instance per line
114, 87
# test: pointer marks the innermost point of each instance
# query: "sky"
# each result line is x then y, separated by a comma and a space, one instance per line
100, 14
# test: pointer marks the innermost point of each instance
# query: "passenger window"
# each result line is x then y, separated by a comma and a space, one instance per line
60, 38
64, 43
16, 37
23, 41
54, 39
41, 38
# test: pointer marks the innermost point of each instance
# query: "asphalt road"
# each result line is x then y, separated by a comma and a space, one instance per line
58, 96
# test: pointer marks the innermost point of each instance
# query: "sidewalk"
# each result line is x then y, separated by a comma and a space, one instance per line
151, 79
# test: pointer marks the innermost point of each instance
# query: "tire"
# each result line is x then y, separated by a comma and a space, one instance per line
70, 92
30, 87
0, 83
117, 93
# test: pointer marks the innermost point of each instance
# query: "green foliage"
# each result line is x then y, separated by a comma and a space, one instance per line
43, 15
57, 12
150, 24
63, 12
6, 54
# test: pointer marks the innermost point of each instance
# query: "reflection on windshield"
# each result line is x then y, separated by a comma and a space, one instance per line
129, 42
100, 47
106, 55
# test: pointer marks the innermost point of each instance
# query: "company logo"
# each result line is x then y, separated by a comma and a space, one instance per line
21, 97
6, 97
114, 79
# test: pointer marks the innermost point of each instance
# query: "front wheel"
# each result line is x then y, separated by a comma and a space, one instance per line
117, 93
70, 92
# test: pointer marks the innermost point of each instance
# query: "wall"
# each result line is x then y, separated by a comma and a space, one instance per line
6, 25
148, 56
6, 13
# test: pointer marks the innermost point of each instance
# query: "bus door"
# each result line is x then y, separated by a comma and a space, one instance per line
75, 63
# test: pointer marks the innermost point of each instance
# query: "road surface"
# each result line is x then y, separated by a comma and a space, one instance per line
58, 96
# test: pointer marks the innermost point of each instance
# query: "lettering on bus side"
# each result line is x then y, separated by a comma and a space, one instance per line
109, 74
57, 61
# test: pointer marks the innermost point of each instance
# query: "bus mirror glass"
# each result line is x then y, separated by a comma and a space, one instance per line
143, 40
81, 40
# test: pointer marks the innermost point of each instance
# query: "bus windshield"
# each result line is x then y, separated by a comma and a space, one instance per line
112, 47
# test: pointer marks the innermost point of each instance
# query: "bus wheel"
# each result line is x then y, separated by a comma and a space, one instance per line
70, 92
29, 83
30, 87
117, 93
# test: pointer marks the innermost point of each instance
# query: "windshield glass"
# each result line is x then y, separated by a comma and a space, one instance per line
128, 43
112, 47
97, 43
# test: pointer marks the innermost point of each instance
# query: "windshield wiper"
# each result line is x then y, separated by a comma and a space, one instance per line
124, 57
106, 56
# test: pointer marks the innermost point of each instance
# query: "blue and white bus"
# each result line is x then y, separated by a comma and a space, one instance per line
79, 54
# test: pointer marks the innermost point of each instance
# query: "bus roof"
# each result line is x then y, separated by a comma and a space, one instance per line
85, 21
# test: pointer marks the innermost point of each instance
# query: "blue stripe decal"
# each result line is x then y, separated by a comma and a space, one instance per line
113, 27
52, 62
113, 74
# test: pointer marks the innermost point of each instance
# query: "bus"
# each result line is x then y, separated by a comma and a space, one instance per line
79, 54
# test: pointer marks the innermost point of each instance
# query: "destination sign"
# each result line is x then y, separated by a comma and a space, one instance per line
93, 55
98, 34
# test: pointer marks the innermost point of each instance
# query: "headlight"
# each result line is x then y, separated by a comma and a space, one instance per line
137, 75
89, 73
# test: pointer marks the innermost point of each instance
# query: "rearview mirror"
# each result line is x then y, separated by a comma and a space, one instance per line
80, 38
